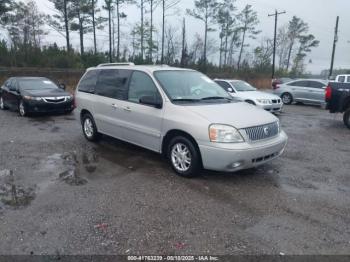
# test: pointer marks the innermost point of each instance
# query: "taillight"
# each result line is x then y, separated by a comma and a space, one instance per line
328, 93
276, 87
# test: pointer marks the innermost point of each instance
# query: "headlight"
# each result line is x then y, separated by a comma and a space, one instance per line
69, 97
33, 98
264, 101
224, 134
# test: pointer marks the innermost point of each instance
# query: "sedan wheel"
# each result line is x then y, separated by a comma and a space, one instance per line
287, 99
2, 104
22, 109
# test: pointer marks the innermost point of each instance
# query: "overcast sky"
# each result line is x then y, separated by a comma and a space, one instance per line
320, 15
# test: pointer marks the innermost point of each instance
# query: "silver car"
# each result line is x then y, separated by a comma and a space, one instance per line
309, 91
179, 113
246, 92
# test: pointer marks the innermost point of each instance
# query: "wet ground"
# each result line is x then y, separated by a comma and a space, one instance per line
62, 195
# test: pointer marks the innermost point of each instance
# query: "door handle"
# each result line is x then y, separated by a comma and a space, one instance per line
128, 109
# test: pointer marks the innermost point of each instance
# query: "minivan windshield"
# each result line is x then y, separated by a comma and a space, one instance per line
242, 86
190, 86
36, 84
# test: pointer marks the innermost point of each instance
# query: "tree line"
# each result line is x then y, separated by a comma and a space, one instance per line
144, 43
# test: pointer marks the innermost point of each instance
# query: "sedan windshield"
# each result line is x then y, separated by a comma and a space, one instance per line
36, 84
190, 86
242, 86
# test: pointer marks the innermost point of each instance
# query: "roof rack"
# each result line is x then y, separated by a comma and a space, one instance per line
116, 64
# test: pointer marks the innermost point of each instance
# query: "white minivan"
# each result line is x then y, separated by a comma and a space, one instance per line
179, 113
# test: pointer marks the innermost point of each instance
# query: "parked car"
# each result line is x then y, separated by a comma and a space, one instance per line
309, 91
245, 92
338, 100
179, 113
34, 95
343, 79
279, 81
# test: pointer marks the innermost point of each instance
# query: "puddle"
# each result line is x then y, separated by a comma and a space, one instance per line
13, 195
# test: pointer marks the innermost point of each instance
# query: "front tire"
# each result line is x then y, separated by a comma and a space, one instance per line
89, 128
287, 99
346, 118
2, 104
184, 157
22, 110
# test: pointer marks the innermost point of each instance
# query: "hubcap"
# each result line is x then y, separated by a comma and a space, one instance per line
181, 157
286, 99
21, 109
2, 106
88, 127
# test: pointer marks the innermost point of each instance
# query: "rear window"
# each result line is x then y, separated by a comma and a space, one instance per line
88, 82
113, 83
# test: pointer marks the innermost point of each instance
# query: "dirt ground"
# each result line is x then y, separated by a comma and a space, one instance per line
62, 195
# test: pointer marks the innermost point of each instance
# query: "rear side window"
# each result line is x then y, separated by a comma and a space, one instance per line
113, 83
314, 84
341, 79
88, 82
299, 83
141, 85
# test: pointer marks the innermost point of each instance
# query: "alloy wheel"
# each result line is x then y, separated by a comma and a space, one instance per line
2, 105
287, 99
22, 110
88, 128
181, 157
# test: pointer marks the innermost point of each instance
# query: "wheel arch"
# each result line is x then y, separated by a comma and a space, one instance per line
83, 112
174, 133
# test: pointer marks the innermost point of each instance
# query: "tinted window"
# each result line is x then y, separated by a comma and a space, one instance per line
224, 85
341, 79
348, 79
141, 85
299, 83
113, 83
315, 84
88, 82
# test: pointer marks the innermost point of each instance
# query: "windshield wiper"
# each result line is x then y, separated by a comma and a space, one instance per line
186, 100
216, 98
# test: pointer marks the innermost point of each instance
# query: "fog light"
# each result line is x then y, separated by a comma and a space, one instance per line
236, 165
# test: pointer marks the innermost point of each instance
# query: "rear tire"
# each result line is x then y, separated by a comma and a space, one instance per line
89, 128
2, 104
287, 98
184, 157
346, 118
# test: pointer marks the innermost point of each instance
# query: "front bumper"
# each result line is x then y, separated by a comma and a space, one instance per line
273, 108
45, 107
235, 157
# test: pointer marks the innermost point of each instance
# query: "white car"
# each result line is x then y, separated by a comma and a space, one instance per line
245, 92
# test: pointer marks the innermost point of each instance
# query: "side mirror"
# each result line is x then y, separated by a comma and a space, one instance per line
230, 90
62, 86
13, 88
151, 101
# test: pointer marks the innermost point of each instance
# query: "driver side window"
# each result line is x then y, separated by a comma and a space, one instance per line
141, 85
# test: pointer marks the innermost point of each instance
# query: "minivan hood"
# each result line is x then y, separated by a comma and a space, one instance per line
45, 92
239, 115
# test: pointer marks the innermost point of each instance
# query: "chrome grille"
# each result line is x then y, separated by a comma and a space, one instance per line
262, 132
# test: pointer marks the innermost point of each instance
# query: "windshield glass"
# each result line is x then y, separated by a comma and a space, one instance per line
36, 84
242, 86
190, 86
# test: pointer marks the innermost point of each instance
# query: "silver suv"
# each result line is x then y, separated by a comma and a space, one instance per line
179, 113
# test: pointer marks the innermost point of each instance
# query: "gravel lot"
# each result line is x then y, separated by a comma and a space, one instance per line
63, 195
